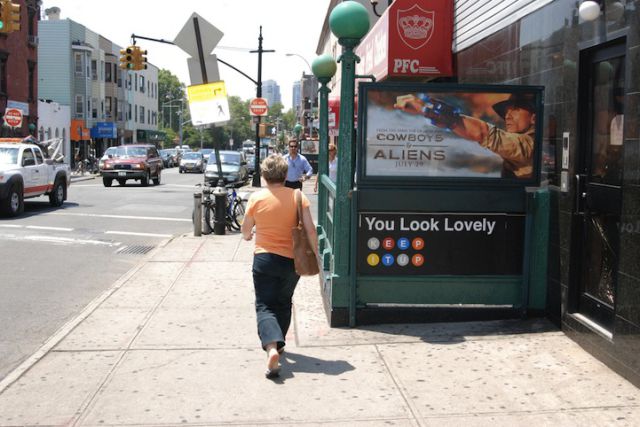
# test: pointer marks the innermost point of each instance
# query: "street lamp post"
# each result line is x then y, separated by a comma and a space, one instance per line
349, 22
324, 67
256, 174
307, 116
170, 104
301, 57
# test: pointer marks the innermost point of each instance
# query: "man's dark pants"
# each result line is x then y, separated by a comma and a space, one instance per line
274, 281
293, 184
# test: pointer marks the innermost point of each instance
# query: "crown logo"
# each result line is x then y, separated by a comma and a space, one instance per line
415, 26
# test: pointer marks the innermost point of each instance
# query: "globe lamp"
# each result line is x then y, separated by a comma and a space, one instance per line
324, 66
349, 20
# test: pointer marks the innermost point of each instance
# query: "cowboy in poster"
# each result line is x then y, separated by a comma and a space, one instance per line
451, 134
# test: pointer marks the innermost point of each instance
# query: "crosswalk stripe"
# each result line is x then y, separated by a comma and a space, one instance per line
145, 218
131, 233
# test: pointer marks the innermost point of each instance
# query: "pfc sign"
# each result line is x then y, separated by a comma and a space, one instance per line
411, 39
13, 117
258, 107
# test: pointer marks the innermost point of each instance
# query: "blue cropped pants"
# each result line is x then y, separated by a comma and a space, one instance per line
274, 281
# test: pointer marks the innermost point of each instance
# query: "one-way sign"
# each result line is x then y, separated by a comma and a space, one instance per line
187, 40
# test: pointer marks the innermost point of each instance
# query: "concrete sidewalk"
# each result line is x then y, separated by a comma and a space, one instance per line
75, 177
174, 342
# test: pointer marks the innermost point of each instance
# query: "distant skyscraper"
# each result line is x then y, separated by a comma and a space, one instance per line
297, 97
271, 91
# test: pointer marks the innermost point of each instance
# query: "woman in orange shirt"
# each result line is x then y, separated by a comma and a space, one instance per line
273, 212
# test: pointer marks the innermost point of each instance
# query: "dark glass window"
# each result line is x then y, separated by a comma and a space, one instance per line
3, 72
32, 81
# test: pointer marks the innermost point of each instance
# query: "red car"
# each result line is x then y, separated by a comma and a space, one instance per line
140, 162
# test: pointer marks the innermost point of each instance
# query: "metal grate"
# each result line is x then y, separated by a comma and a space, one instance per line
135, 250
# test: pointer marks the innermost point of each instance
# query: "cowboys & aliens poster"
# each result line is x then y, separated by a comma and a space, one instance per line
451, 131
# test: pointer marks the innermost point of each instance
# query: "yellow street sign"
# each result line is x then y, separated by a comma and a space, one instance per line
208, 103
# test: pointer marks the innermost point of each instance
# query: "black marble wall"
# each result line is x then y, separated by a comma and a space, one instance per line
544, 49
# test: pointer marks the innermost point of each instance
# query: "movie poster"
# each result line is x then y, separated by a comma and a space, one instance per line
452, 133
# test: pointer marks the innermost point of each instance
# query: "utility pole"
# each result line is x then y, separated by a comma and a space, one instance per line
260, 51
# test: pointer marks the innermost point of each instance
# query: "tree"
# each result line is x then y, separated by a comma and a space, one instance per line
275, 110
200, 136
239, 127
289, 120
171, 89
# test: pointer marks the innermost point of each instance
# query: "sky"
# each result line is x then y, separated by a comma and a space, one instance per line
288, 26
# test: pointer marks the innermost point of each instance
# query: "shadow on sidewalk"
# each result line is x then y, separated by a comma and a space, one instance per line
294, 362
457, 332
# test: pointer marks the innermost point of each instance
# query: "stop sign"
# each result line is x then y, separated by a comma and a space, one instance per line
258, 107
13, 117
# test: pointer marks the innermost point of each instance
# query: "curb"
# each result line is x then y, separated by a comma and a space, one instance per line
76, 178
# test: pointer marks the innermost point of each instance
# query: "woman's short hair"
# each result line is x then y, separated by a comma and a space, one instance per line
274, 169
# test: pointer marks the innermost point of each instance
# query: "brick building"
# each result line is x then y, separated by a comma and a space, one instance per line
18, 68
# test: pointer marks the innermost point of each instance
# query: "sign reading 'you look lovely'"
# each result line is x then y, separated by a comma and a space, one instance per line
449, 244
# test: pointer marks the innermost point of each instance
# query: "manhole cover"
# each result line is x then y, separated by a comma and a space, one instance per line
135, 249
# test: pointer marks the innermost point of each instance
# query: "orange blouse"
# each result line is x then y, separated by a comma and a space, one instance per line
274, 212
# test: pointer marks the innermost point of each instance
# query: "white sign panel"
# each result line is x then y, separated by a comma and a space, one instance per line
211, 68
210, 36
208, 104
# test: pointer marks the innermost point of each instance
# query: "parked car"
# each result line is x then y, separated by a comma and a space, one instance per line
192, 161
141, 162
176, 155
251, 163
234, 169
168, 158
206, 152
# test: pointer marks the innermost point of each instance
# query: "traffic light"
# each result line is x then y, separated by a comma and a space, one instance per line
127, 58
133, 58
139, 58
3, 16
142, 59
9, 16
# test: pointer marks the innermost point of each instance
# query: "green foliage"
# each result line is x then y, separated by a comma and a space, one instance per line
289, 120
169, 137
276, 110
170, 88
198, 137
239, 127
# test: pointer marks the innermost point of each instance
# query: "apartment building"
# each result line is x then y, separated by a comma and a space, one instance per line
80, 69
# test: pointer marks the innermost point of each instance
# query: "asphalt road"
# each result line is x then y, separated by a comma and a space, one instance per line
56, 261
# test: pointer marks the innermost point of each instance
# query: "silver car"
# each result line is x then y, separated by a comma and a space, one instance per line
192, 161
234, 169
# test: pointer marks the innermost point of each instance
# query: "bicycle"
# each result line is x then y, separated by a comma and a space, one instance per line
234, 209
81, 167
